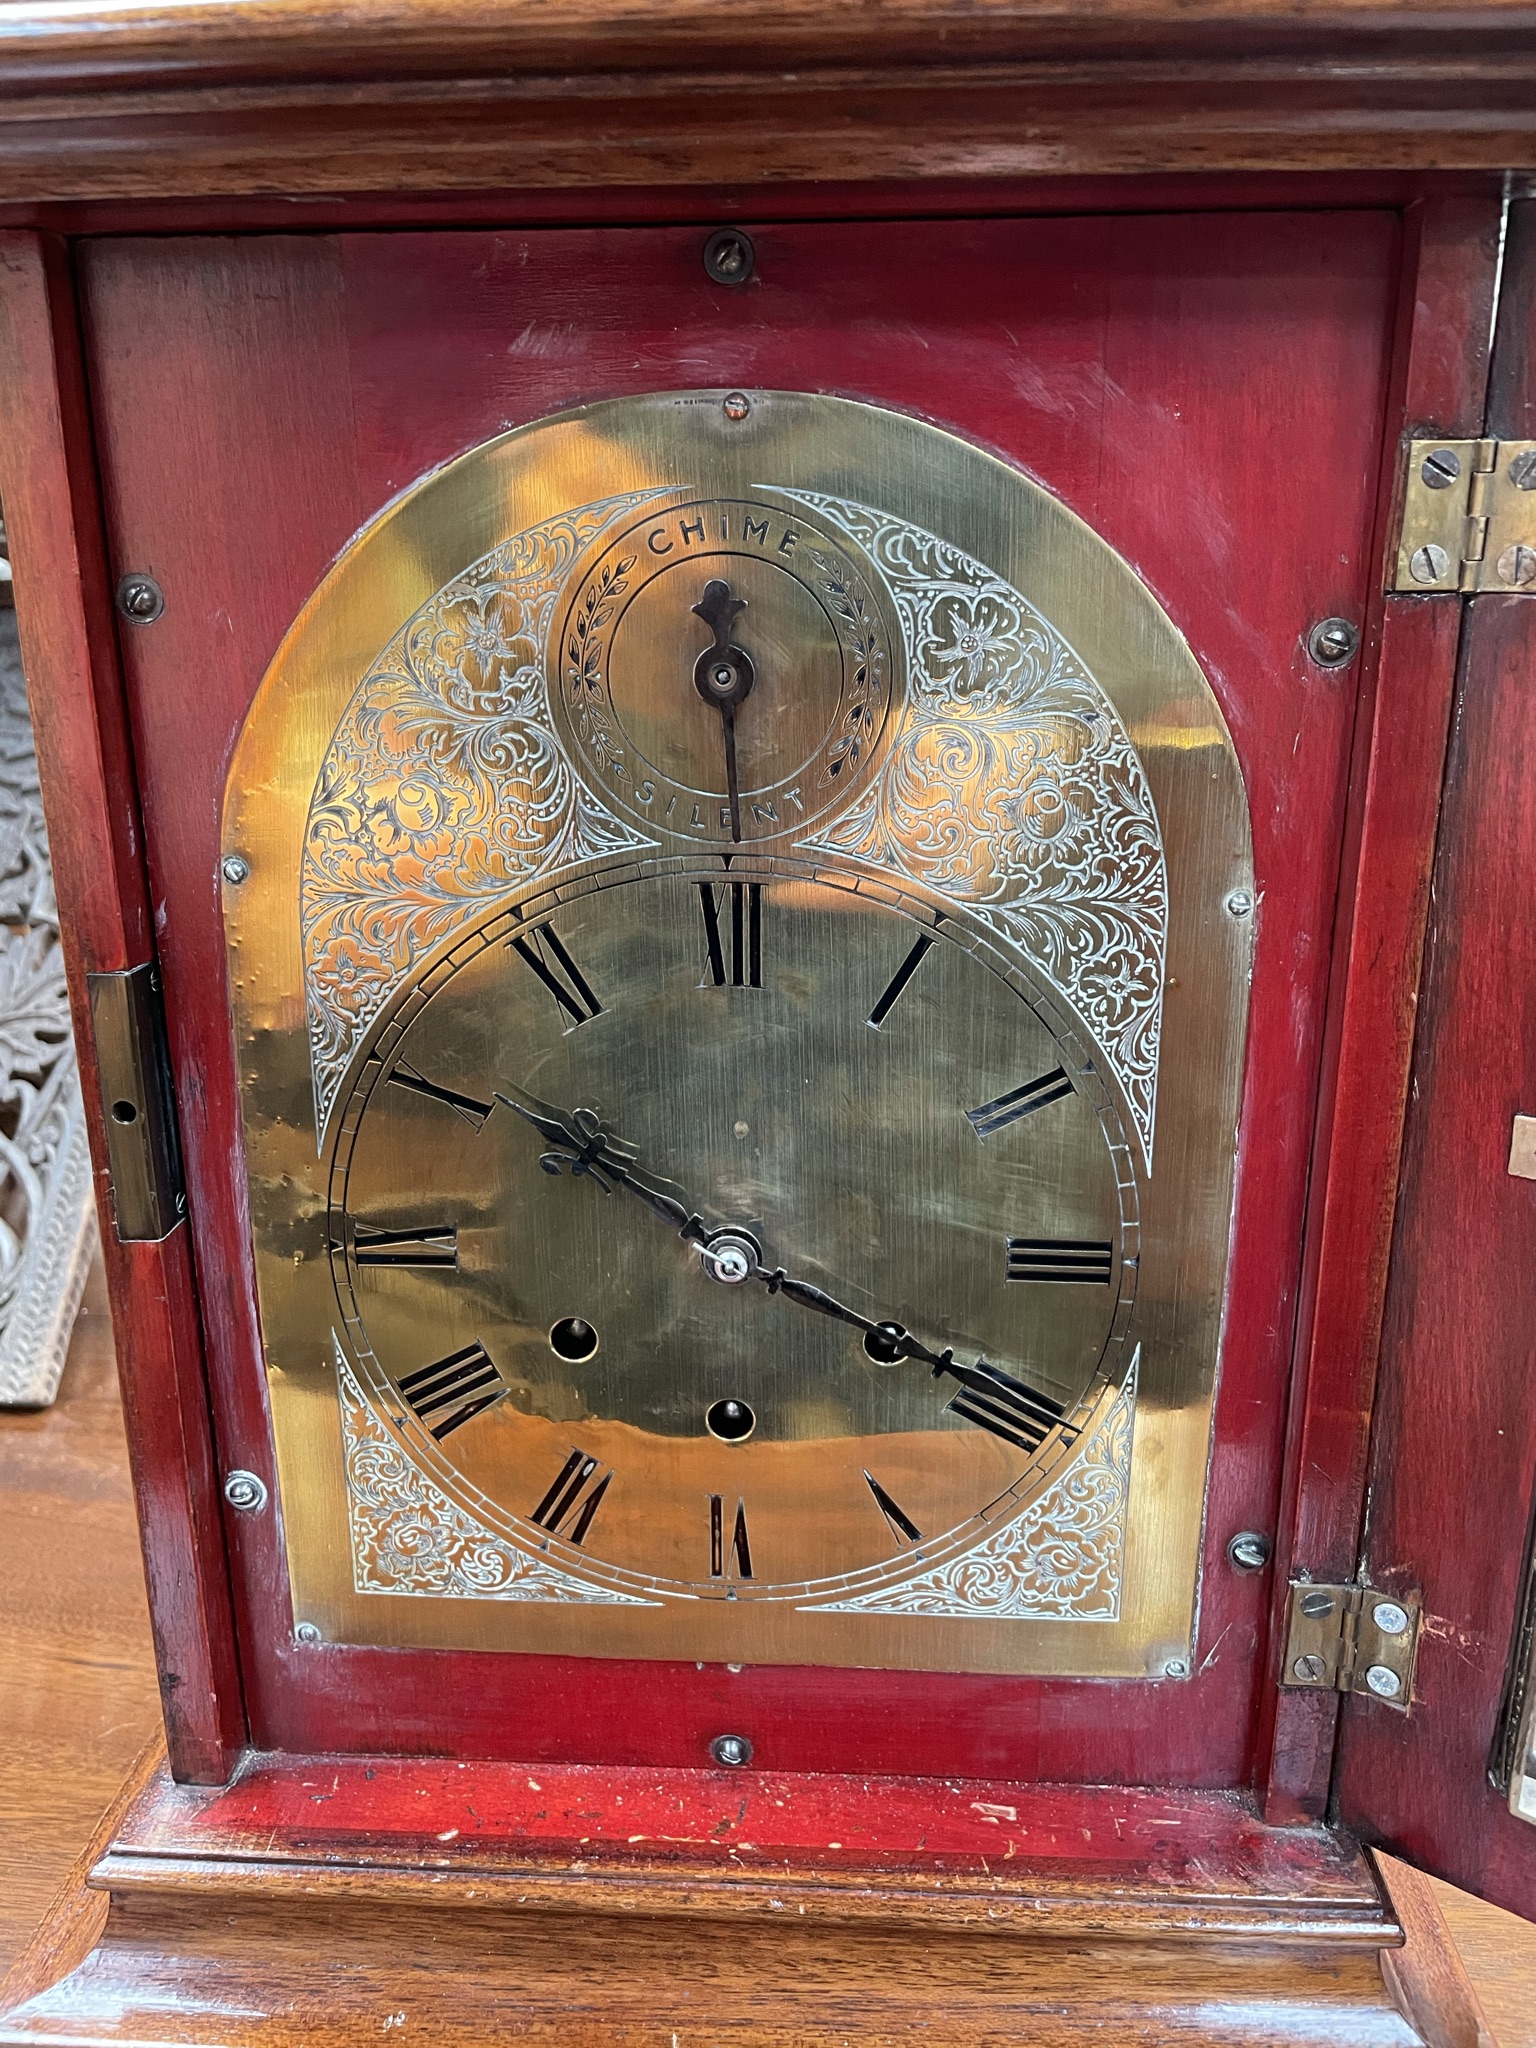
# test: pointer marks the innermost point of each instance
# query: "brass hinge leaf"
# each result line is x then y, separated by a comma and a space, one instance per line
1468, 518
138, 1104
1351, 1639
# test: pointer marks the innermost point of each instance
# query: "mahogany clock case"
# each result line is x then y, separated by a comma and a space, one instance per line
323, 376
1219, 395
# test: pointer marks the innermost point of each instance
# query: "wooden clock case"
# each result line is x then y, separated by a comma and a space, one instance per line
1265, 250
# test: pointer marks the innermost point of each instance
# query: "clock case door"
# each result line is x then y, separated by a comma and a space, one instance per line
1453, 1445
1158, 373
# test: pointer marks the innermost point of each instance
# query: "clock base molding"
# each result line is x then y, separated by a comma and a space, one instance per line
339, 1898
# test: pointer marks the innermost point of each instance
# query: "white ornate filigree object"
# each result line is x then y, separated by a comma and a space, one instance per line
47, 1220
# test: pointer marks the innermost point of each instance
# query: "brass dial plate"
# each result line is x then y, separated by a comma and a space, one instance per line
941, 1016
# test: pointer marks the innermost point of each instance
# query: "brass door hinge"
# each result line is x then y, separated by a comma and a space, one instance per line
1351, 1639
133, 1063
1469, 517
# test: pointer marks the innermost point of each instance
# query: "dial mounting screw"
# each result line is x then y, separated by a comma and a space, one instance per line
235, 869
731, 1750
1239, 903
737, 405
306, 1632
244, 1490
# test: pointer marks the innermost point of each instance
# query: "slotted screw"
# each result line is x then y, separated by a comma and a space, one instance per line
140, 600
729, 257
1440, 468
1429, 564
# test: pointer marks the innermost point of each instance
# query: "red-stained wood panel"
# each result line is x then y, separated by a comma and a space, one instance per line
997, 1858
259, 398
64, 613
1454, 1443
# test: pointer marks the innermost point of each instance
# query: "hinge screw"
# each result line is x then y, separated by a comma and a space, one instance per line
235, 869
1249, 1550
1316, 1606
1522, 471
731, 1750
1311, 1669
729, 256
1383, 1682
1333, 642
1391, 1619
1428, 564
1440, 468
1517, 565
139, 598
245, 1491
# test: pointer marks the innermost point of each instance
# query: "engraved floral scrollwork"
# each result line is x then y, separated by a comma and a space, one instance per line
1012, 786
409, 1537
1060, 1560
443, 786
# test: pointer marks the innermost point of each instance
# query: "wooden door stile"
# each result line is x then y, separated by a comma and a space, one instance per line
1454, 1435
65, 614
1403, 719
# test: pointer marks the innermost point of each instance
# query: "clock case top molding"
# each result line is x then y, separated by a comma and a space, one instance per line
138, 732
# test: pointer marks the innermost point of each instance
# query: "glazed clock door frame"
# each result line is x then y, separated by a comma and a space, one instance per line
1063, 1737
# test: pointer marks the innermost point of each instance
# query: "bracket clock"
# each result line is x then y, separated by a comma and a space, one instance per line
788, 872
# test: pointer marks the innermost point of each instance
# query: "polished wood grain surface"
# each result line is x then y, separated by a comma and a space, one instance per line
262, 95
77, 1676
